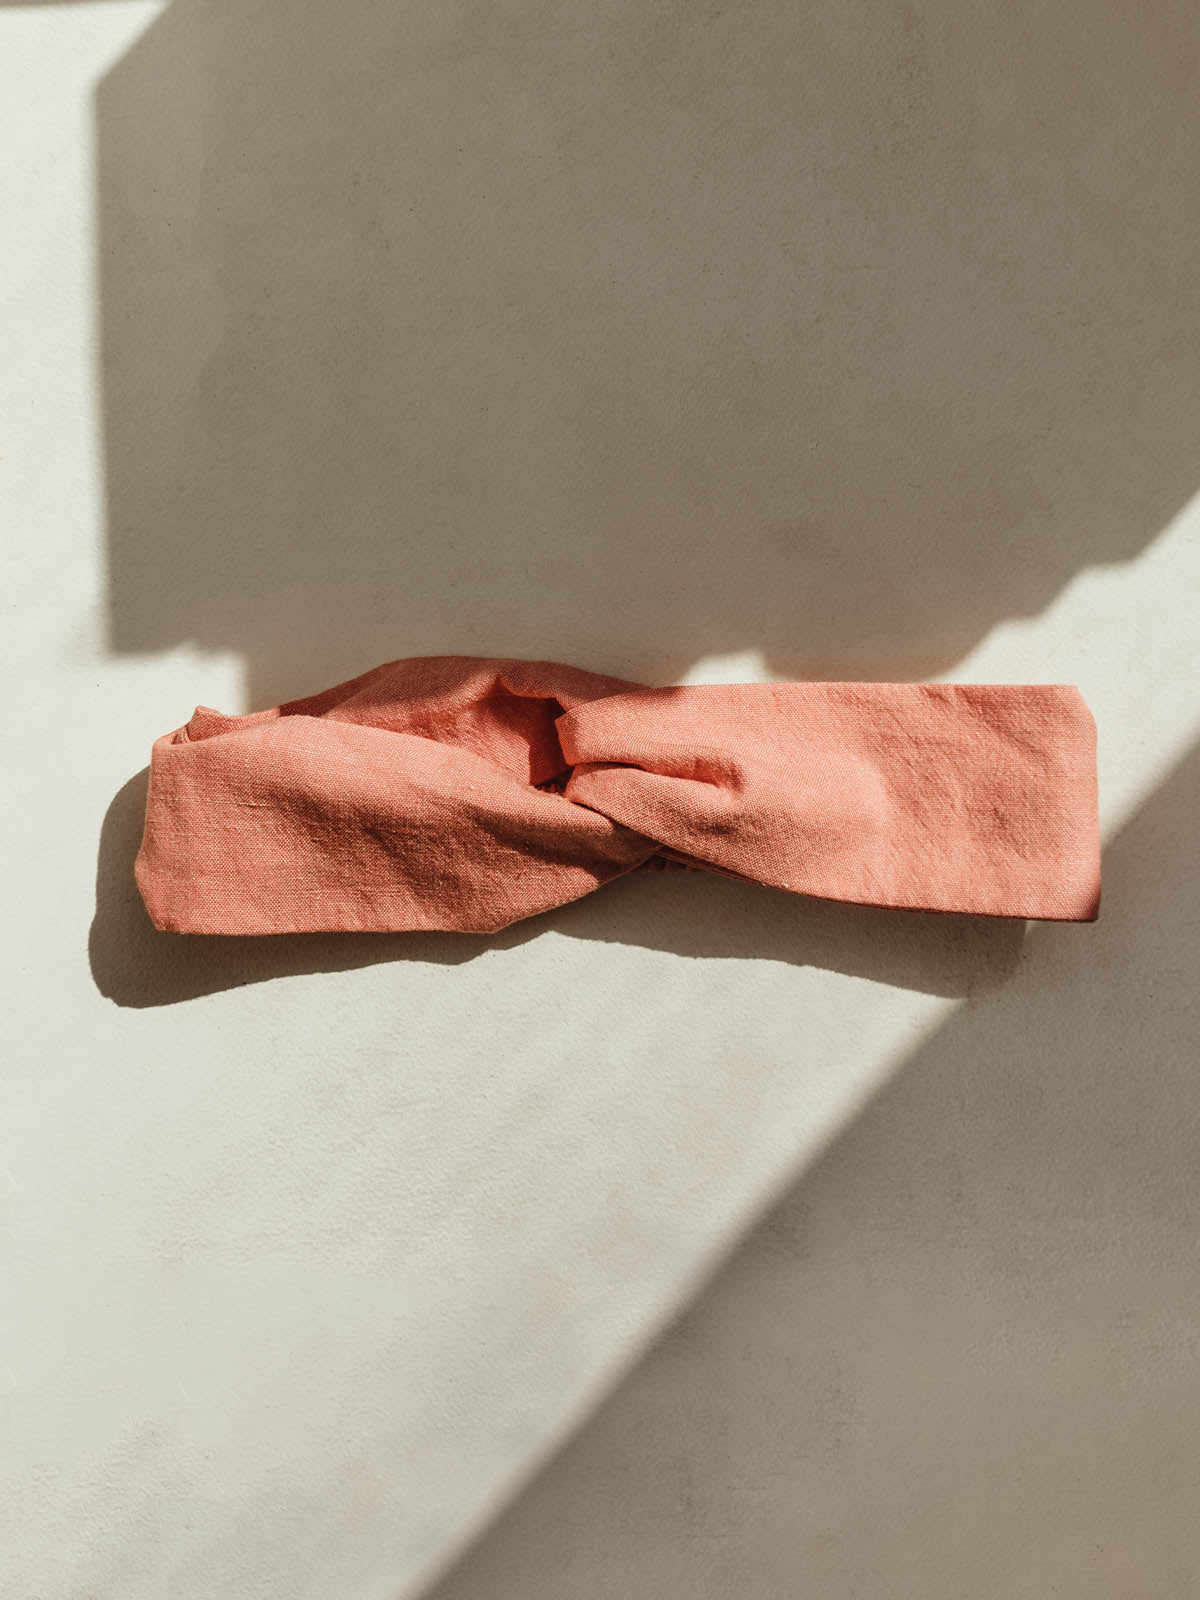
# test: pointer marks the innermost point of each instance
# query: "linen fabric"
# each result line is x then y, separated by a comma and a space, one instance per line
461, 793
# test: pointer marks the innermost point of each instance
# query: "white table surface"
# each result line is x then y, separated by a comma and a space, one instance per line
695, 1241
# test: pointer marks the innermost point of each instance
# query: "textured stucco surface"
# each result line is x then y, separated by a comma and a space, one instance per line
695, 1241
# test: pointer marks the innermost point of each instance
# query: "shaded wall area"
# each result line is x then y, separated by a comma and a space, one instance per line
632, 334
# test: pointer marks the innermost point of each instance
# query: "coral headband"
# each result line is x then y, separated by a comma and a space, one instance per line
460, 793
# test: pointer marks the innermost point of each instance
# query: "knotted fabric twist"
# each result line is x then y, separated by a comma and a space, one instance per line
454, 792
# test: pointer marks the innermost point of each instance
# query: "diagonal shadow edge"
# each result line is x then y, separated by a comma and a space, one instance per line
1127, 875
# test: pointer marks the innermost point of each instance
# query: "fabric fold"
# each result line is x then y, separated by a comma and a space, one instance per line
466, 793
